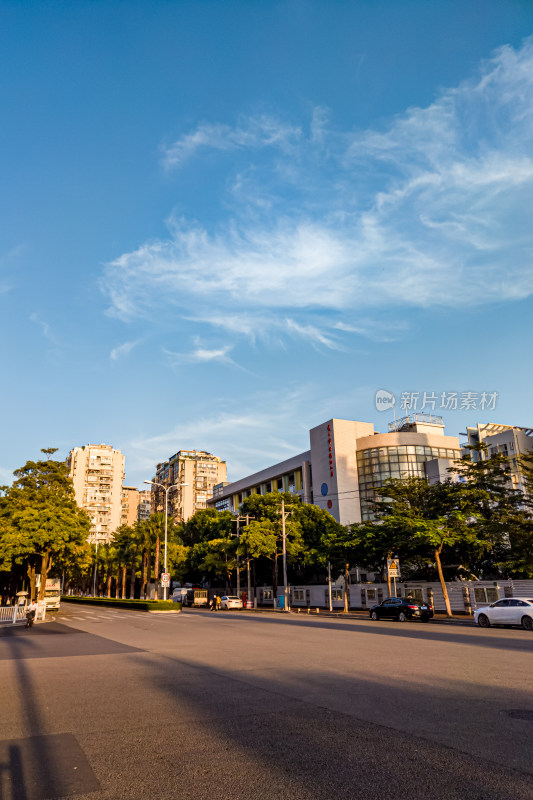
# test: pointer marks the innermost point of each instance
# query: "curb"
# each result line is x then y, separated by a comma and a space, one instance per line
352, 615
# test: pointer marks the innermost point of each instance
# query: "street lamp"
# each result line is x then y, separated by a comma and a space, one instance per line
166, 489
95, 563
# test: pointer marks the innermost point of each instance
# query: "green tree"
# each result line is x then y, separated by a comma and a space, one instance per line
426, 519
490, 505
40, 520
263, 537
216, 557
319, 530
207, 524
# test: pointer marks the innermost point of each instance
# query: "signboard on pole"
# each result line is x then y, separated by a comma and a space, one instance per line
165, 579
393, 567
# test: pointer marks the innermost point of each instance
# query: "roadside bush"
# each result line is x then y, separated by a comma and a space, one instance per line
136, 605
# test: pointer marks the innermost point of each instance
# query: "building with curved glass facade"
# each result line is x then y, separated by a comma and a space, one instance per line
398, 455
347, 461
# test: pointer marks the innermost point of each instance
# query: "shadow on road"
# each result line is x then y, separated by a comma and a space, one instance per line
40, 765
491, 638
308, 750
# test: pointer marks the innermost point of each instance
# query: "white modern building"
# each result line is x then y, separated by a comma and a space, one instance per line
510, 441
346, 462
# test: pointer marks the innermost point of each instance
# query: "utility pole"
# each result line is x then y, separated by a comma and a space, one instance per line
329, 587
238, 520
284, 535
249, 585
238, 563
95, 563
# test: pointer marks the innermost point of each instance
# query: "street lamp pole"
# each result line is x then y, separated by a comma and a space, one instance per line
95, 563
166, 489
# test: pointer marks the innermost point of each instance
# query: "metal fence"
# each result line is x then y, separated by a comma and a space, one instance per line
10, 615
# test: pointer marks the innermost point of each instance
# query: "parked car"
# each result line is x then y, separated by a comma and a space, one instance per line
229, 601
511, 611
401, 608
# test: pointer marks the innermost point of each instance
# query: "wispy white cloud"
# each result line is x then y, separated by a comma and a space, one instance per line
44, 326
271, 328
250, 133
247, 440
122, 350
200, 354
434, 211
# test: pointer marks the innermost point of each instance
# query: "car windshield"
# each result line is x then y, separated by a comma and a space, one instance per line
232, 598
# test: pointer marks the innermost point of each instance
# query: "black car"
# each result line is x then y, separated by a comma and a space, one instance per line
402, 608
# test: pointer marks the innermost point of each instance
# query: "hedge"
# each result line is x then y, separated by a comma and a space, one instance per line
136, 605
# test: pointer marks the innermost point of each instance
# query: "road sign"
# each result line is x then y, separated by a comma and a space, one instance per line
165, 579
393, 567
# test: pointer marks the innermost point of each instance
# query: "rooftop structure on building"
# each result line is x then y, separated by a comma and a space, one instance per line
347, 461
97, 472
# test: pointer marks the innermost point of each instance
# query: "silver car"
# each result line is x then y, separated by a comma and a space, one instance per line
229, 601
510, 611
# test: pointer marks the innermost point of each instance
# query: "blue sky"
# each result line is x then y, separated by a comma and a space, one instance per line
226, 222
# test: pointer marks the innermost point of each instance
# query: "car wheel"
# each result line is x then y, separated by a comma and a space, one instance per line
401, 617
483, 621
527, 623
374, 616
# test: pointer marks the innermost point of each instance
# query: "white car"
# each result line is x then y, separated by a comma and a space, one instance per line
229, 601
511, 611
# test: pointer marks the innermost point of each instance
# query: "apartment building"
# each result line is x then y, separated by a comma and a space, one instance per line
347, 461
144, 508
194, 473
130, 505
510, 441
97, 472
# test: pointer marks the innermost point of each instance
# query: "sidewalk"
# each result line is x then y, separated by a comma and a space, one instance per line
354, 614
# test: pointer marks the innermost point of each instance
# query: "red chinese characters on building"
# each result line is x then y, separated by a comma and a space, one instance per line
330, 453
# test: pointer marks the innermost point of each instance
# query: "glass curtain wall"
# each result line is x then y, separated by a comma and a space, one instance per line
377, 464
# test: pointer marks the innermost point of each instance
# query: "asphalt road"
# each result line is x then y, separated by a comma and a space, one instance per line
110, 704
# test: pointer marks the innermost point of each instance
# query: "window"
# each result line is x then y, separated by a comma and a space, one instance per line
483, 594
267, 594
336, 594
370, 594
298, 594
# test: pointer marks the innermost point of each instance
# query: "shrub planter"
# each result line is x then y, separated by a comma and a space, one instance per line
135, 605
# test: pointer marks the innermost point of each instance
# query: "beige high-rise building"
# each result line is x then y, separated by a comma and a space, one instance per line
199, 471
144, 508
130, 505
97, 472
